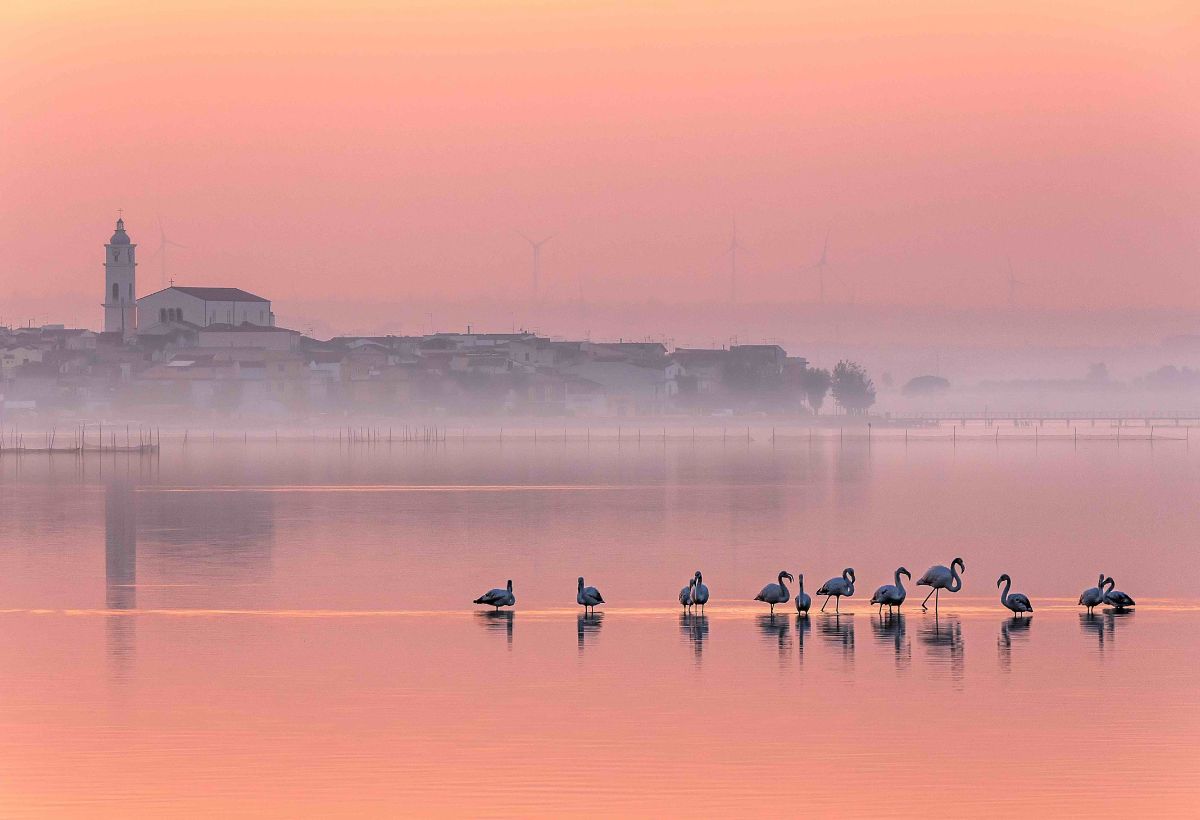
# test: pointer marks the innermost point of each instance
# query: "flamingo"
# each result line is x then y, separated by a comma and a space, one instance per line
1115, 598
685, 594
892, 594
1018, 602
700, 593
1093, 596
837, 587
776, 593
940, 578
497, 597
803, 602
588, 597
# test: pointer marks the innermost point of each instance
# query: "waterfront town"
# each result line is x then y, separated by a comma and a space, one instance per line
218, 351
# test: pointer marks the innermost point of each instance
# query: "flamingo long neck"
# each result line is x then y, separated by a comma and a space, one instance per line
955, 580
899, 584
1004, 592
800, 586
782, 585
849, 579
1107, 586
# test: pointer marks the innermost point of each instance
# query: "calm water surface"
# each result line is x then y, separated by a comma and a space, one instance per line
284, 630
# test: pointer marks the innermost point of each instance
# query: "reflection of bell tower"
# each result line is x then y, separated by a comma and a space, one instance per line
120, 305
120, 545
120, 569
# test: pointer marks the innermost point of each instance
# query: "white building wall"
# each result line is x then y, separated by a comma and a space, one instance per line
199, 312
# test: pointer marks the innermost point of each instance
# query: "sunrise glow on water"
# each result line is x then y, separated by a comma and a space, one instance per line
316, 651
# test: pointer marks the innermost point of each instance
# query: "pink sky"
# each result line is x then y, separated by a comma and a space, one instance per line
375, 155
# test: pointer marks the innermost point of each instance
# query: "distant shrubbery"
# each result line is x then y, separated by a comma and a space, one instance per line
925, 386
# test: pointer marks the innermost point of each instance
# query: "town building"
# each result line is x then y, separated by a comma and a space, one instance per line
201, 306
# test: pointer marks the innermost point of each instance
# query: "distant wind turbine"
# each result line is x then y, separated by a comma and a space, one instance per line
819, 267
1013, 284
537, 260
161, 252
732, 253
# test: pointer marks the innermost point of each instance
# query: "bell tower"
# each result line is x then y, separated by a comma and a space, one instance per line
120, 301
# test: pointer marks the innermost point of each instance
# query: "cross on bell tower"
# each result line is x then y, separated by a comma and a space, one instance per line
120, 299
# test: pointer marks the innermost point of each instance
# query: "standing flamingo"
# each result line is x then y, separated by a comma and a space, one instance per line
1093, 596
685, 594
1114, 597
1018, 602
700, 592
940, 578
497, 597
803, 602
837, 587
776, 593
588, 597
893, 594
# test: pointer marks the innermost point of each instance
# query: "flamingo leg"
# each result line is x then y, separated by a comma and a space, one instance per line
826, 602
927, 598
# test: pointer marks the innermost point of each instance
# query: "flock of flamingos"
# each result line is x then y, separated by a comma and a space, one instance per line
890, 595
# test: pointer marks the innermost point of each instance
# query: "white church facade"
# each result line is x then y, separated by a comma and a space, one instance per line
203, 307
127, 315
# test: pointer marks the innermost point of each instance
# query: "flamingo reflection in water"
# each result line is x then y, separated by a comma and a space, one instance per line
694, 630
499, 621
1104, 627
839, 630
776, 630
1010, 628
944, 639
892, 629
587, 628
803, 627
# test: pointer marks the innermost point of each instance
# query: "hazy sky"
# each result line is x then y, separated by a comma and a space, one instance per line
371, 154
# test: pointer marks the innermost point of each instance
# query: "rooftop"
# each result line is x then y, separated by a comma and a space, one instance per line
214, 294
245, 327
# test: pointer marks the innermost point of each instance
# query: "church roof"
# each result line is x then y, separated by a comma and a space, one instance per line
119, 236
217, 294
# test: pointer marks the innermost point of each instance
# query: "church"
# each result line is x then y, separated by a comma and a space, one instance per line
171, 307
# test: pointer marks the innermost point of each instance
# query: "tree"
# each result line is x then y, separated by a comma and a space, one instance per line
925, 386
814, 383
852, 388
1098, 373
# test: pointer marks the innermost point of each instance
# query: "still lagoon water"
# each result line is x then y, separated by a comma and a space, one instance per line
286, 630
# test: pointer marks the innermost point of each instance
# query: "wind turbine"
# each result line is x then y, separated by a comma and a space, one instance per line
161, 251
1013, 283
819, 267
732, 252
537, 260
